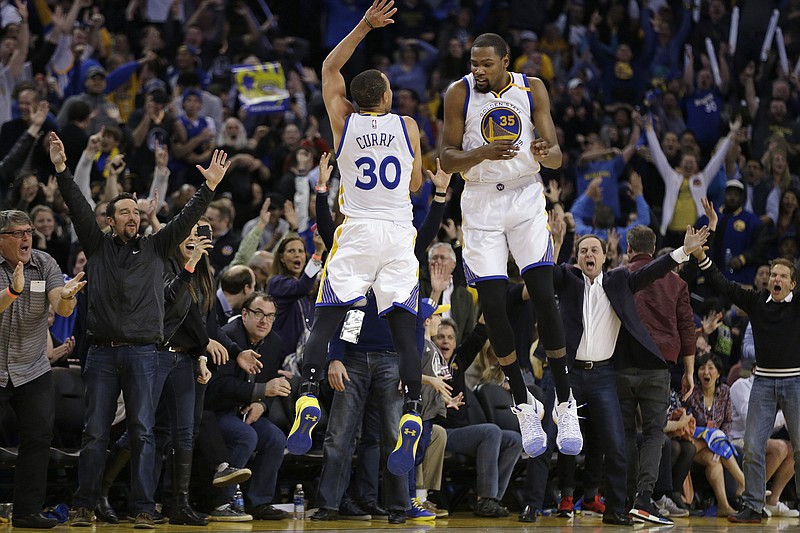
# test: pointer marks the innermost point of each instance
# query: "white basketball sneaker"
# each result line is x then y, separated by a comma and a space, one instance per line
569, 439
530, 415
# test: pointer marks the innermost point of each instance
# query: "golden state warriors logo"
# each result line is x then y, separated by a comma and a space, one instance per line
501, 124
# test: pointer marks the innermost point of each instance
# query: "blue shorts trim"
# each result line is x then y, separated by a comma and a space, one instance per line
399, 305
536, 265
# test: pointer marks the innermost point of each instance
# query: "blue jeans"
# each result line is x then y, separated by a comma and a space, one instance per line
131, 369
177, 401
495, 450
766, 397
603, 427
374, 377
267, 441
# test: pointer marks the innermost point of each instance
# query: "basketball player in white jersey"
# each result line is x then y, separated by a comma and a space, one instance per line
380, 162
489, 121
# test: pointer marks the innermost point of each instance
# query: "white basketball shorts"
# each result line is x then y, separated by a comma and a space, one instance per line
372, 253
503, 217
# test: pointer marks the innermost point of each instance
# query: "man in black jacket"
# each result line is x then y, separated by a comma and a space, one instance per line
241, 403
124, 326
601, 306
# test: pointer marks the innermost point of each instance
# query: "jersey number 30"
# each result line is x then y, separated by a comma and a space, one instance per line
390, 178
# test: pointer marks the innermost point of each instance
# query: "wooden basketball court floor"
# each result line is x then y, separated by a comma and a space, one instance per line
464, 523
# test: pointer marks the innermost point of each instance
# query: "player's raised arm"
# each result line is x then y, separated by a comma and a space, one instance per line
334, 92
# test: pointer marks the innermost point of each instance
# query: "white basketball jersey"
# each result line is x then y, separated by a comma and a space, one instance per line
375, 162
505, 115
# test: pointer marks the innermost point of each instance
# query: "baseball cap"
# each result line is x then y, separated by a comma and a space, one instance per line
734, 183
191, 92
158, 90
528, 35
428, 308
96, 70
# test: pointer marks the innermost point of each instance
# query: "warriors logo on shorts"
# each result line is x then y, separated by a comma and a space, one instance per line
501, 124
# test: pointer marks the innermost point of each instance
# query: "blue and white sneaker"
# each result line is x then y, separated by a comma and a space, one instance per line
569, 439
530, 415
418, 511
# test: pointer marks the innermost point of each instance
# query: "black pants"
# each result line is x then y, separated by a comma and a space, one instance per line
34, 405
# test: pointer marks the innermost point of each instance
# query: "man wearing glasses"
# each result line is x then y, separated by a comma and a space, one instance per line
241, 403
34, 283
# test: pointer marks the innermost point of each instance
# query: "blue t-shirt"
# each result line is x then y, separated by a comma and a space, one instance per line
610, 170
703, 116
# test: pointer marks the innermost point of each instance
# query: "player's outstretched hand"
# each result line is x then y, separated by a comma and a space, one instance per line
380, 13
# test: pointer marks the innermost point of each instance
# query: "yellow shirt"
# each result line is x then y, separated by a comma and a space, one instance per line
547, 72
685, 213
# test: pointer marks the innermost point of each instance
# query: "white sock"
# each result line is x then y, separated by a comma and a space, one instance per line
422, 495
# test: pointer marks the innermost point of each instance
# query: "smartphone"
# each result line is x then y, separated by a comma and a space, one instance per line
204, 231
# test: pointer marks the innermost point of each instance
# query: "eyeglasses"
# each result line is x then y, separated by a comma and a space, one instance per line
18, 234
261, 315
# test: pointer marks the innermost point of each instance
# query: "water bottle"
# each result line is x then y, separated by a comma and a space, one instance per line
238, 500
299, 503
728, 257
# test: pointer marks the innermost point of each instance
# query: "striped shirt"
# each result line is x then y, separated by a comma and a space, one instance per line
23, 326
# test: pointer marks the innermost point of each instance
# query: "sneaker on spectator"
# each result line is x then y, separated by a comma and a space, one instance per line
782, 510
566, 509
569, 439
226, 513
440, 513
228, 475
645, 509
490, 508
593, 507
81, 517
418, 511
746, 516
669, 508
530, 415
350, 510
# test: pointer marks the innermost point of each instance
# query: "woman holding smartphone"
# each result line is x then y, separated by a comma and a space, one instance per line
188, 297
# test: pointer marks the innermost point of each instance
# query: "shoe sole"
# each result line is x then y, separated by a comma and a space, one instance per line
299, 440
401, 460
240, 476
230, 518
357, 517
421, 518
566, 514
647, 517
144, 526
588, 513
737, 521
80, 524
570, 446
536, 443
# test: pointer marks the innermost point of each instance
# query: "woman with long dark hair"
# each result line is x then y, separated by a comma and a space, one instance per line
188, 298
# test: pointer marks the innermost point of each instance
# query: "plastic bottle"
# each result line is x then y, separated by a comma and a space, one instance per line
238, 500
299, 503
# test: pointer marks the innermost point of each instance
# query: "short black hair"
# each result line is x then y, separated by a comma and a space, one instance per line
486, 40
78, 111
111, 208
368, 88
257, 295
188, 79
